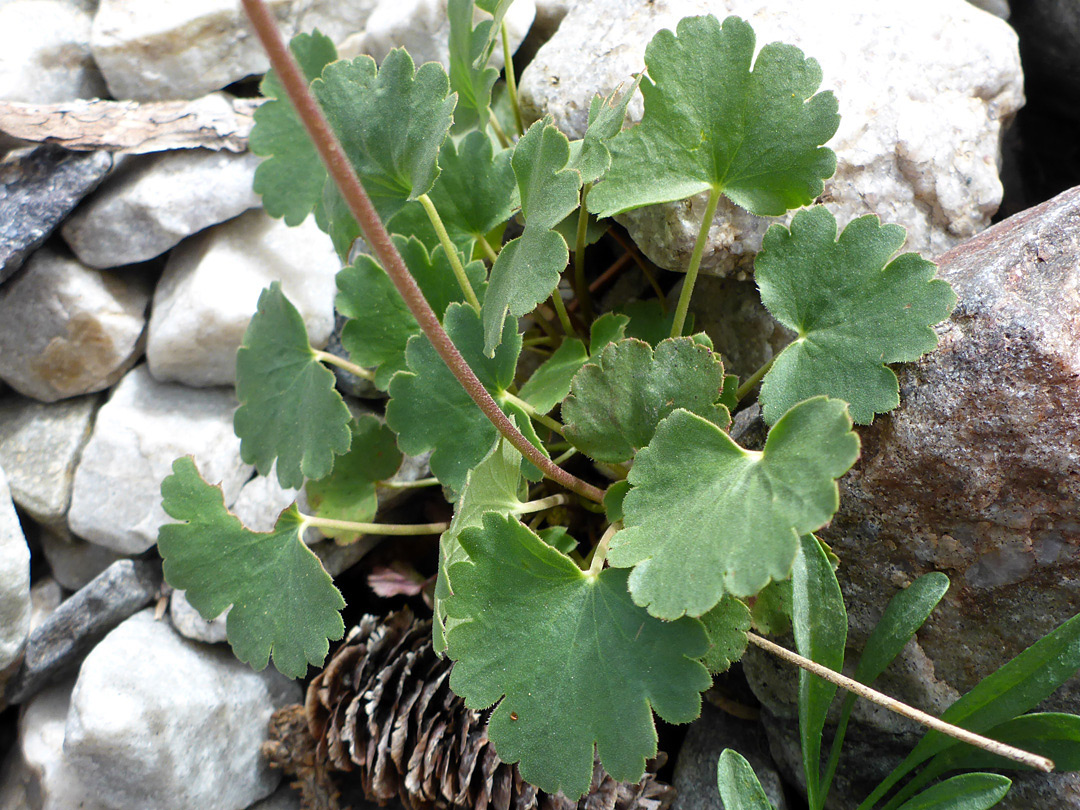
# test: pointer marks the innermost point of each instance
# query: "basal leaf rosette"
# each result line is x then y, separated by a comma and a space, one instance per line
572, 662
616, 403
705, 517
854, 307
284, 604
717, 119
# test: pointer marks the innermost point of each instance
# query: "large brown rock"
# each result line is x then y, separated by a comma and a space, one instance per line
976, 474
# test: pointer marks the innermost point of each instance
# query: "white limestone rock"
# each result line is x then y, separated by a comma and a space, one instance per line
39, 448
924, 87
190, 624
14, 582
262, 500
152, 51
154, 201
211, 287
39, 777
45, 52
422, 28
160, 721
67, 329
139, 432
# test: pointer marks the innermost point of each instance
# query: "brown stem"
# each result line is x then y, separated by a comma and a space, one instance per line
377, 238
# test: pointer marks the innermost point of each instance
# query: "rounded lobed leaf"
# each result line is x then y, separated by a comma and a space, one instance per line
854, 311
716, 118
392, 121
615, 405
572, 661
428, 408
706, 517
291, 179
283, 602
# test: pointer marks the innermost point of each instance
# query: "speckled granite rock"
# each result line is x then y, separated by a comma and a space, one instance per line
977, 474
38, 188
924, 90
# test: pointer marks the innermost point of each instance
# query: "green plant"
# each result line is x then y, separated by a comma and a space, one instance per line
577, 639
995, 707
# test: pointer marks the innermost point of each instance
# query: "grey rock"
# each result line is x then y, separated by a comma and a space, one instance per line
67, 329
924, 90
140, 431
60, 643
14, 582
338, 559
999, 8
72, 561
39, 448
38, 776
1050, 42
190, 624
706, 739
38, 189
976, 474
211, 286
158, 720
45, 52
154, 201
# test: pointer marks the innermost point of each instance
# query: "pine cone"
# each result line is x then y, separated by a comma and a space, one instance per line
383, 717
